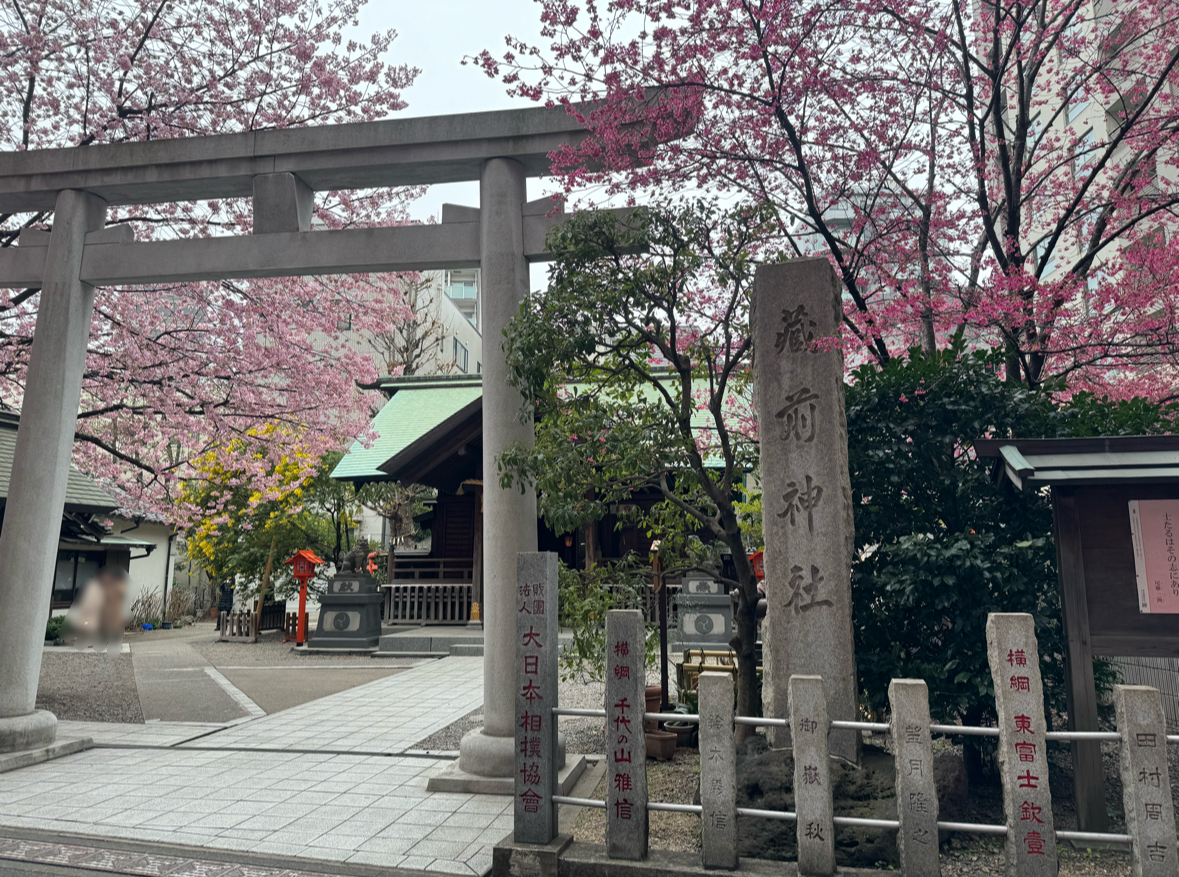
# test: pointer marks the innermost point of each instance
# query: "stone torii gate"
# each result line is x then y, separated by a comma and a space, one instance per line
280, 170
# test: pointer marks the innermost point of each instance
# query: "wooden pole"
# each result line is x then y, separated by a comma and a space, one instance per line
301, 636
1088, 771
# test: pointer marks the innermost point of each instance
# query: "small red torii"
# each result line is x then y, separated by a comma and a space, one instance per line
304, 563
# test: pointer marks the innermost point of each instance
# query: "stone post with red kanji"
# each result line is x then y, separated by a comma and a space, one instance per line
1023, 755
536, 695
1146, 781
626, 747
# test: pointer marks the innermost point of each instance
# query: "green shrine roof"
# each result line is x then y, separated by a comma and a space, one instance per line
82, 494
419, 405
421, 410
1084, 461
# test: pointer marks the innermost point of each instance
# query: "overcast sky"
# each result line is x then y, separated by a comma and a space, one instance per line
434, 35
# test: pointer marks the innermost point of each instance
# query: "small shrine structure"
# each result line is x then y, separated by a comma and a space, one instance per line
1115, 509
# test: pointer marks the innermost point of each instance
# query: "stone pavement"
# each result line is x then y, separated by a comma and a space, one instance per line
49, 857
147, 735
333, 780
391, 714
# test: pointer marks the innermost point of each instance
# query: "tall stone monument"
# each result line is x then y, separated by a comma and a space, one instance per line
806, 492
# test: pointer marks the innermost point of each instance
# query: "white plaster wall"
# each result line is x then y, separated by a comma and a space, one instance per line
147, 573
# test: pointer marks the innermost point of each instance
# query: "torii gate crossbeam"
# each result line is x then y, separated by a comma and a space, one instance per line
280, 170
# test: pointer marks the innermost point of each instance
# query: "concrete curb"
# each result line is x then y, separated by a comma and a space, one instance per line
201, 854
26, 757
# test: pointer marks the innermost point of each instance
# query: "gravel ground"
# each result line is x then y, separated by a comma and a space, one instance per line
447, 740
89, 687
987, 859
672, 781
583, 736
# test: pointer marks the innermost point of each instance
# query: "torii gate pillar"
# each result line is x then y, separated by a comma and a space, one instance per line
36, 495
509, 516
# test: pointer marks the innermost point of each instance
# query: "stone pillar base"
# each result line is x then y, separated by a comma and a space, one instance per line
30, 731
455, 779
482, 755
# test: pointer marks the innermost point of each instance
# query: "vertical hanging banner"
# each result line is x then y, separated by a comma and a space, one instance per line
1146, 781
917, 805
536, 694
1013, 655
626, 745
795, 319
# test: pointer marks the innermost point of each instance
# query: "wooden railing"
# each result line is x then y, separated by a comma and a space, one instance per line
427, 604
272, 617
238, 627
452, 570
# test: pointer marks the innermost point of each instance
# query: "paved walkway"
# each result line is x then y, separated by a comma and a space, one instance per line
334, 780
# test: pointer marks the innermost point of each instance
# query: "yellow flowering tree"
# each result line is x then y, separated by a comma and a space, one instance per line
241, 531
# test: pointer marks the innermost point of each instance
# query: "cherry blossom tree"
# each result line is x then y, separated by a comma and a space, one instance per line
175, 373
1003, 171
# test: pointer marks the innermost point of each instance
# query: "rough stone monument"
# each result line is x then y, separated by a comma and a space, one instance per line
917, 807
813, 800
626, 746
1014, 657
536, 694
807, 518
718, 772
1146, 781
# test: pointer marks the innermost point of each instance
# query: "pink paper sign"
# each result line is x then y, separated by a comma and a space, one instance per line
1153, 523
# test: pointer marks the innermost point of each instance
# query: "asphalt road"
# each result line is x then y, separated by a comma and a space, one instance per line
173, 684
188, 676
275, 689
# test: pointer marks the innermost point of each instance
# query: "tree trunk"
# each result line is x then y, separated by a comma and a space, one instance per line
745, 645
972, 751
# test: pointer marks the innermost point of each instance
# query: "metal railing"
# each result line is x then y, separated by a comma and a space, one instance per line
851, 821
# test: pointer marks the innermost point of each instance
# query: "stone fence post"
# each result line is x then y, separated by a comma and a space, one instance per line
626, 745
1014, 657
813, 802
1146, 781
718, 771
535, 813
917, 808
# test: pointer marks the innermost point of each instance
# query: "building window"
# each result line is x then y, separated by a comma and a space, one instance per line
74, 569
344, 324
460, 355
1085, 155
478, 368
1045, 264
463, 290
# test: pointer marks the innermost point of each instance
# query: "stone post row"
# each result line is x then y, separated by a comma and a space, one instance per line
626, 746
536, 694
1013, 655
718, 772
812, 776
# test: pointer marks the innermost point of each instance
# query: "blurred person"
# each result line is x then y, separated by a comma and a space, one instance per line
97, 616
